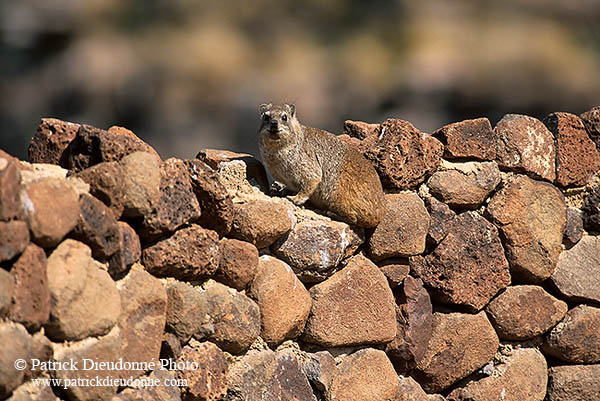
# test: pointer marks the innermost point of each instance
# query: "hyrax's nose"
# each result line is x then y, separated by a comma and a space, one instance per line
274, 124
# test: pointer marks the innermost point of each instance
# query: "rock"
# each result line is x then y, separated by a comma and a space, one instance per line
209, 382
354, 306
15, 344
395, 271
215, 202
574, 383
233, 176
141, 183
177, 205
92, 145
84, 299
403, 156
577, 274
404, 227
468, 267
531, 216
261, 222
7, 288
591, 121
190, 254
107, 183
413, 319
41, 349
283, 301
313, 249
460, 344
171, 347
521, 377
142, 320
574, 227
364, 375
29, 391
577, 338
410, 390
361, 130
87, 355
50, 142
464, 185
129, 251
97, 227
591, 208
185, 311
441, 217
52, 209
577, 156
10, 188
525, 311
524, 144
31, 296
255, 171
468, 139
320, 368
234, 319
14, 238
164, 391
238, 264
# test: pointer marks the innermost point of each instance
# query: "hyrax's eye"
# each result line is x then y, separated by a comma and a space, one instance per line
284, 117
266, 117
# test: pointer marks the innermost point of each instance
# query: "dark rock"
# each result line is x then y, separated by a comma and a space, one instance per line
14, 238
255, 171
41, 349
186, 307
320, 368
15, 343
170, 347
574, 227
441, 219
574, 383
468, 139
107, 183
141, 184
238, 264
591, 208
261, 222
209, 382
129, 251
591, 120
50, 142
10, 188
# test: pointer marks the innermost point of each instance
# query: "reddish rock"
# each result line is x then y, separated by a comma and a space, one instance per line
185, 310
41, 349
354, 306
190, 254
164, 391
525, 311
468, 267
15, 344
576, 339
7, 288
14, 238
313, 249
107, 183
468, 139
170, 347
531, 216
574, 383
261, 222
591, 121
577, 156
141, 184
320, 368
129, 251
441, 219
364, 375
215, 202
395, 271
31, 296
574, 227
52, 209
50, 142
403, 230
283, 301
255, 171
10, 188
460, 344
238, 264
209, 382
410, 390
361, 130
577, 274
524, 144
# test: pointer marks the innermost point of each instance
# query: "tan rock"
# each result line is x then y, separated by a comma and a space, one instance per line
209, 382
141, 183
29, 391
261, 222
164, 391
395, 270
14, 238
7, 288
10, 188
410, 390
255, 171
186, 310
574, 383
577, 274
15, 344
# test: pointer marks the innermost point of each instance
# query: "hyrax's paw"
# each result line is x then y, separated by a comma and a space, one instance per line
298, 199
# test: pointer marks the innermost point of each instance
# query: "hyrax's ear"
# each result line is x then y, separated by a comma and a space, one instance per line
292, 110
263, 108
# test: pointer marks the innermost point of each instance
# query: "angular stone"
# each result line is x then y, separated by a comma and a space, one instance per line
313, 249
84, 299
577, 338
50, 142
574, 383
404, 227
395, 271
31, 297
591, 121
577, 156
129, 251
7, 289
41, 349
320, 368
410, 390
171, 347
164, 391
524, 144
177, 205
185, 311
441, 219
14, 238
141, 183
107, 183
531, 216
577, 274
190, 254
521, 376
283, 301
142, 320
238, 264
591, 207
10, 188
464, 185
574, 227
255, 171
468, 139
468, 267
364, 375
460, 344
29, 391
354, 306
209, 382
261, 222
15, 344
414, 319
215, 202
360, 130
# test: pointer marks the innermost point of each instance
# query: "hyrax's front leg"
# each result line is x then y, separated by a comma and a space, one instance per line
306, 190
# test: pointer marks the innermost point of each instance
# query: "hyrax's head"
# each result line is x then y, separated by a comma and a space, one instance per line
278, 122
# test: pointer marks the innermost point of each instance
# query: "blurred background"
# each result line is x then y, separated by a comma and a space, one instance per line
186, 75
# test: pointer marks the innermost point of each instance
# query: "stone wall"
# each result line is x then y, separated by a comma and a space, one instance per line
481, 283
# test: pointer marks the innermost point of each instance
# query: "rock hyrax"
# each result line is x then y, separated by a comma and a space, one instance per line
320, 167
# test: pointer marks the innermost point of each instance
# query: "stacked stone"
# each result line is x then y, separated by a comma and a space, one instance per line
481, 282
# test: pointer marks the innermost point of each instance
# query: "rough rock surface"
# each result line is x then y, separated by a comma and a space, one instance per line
403, 230
574, 227
141, 183
107, 183
468, 139
164, 391
186, 310
29, 391
320, 368
574, 383
531, 216
591, 207
209, 382
50, 142
14, 238
238, 264
129, 251
360, 130
255, 171
395, 270
460, 344
591, 120
410, 390
10, 188
524, 144
468, 267
354, 306
261, 222
16, 336
441, 219
7, 288
525, 311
